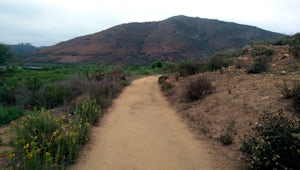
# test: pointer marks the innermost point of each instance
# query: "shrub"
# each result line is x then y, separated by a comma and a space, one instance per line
162, 79
295, 50
164, 84
275, 143
9, 113
218, 61
260, 65
46, 142
103, 87
261, 50
227, 135
90, 112
189, 68
292, 93
157, 64
197, 89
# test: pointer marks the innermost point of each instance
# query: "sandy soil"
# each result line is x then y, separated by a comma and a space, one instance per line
142, 131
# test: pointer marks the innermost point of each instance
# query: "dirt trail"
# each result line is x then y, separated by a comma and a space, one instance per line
141, 131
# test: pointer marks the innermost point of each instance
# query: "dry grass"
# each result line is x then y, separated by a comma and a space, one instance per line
238, 97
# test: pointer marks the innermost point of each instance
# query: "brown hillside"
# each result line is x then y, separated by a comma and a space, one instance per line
238, 98
174, 39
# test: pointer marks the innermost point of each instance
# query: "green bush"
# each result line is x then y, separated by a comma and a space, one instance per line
197, 89
218, 61
260, 65
275, 143
157, 64
10, 113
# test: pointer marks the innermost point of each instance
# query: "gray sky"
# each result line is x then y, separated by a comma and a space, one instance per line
47, 22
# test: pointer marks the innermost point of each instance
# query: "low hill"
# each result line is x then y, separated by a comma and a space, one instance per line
174, 39
23, 48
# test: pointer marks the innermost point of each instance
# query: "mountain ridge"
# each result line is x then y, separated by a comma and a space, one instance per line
174, 39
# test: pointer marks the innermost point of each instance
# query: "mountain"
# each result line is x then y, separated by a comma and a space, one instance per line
174, 39
22, 48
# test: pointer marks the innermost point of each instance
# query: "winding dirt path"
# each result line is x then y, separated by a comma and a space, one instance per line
141, 131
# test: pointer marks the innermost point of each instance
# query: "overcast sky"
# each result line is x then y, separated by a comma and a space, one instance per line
47, 22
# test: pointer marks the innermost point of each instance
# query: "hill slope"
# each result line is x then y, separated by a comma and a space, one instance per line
174, 39
23, 48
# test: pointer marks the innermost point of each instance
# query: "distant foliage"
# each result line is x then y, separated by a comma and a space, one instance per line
9, 113
262, 51
5, 53
157, 64
275, 143
197, 89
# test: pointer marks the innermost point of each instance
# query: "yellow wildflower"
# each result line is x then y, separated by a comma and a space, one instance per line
11, 155
48, 154
30, 155
25, 147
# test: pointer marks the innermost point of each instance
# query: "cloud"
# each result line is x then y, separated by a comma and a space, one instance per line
47, 22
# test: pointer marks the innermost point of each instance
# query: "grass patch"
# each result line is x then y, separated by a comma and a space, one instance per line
10, 113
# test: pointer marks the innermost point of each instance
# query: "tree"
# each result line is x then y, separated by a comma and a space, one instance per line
5, 53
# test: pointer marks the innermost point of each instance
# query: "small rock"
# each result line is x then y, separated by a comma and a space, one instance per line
265, 98
283, 72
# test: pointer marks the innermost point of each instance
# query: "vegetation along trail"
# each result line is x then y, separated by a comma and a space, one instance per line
141, 131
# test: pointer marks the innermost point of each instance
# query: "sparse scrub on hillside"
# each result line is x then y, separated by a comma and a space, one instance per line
293, 93
197, 89
103, 87
261, 64
275, 143
162, 79
227, 135
189, 68
293, 42
295, 50
218, 61
261, 50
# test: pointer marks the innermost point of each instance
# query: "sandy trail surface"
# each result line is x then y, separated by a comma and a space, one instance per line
142, 131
